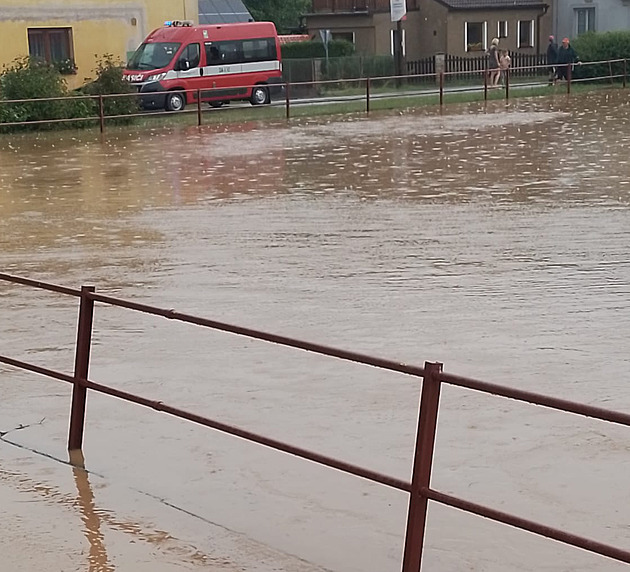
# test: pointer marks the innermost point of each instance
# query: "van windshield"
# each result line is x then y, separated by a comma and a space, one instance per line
153, 56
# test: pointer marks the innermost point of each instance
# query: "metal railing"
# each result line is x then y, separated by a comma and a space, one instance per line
334, 91
419, 489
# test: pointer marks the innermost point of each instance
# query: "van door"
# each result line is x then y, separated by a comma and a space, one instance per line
224, 62
189, 70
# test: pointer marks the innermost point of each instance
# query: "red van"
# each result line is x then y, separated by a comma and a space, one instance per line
223, 61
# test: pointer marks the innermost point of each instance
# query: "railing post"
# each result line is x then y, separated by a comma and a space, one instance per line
287, 97
441, 88
507, 83
610, 72
101, 112
81, 367
199, 108
625, 72
367, 95
422, 464
485, 85
569, 74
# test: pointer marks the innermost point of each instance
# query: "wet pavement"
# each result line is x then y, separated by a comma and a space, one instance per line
493, 239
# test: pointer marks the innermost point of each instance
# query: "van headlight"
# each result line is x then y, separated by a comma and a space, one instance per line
157, 77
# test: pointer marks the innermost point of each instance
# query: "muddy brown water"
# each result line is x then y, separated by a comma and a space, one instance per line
493, 239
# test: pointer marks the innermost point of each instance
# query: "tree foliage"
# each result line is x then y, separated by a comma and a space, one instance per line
109, 80
285, 14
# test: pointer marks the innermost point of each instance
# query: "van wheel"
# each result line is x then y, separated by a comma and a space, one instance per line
175, 101
260, 95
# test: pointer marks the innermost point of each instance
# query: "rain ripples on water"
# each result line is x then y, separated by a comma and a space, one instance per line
494, 239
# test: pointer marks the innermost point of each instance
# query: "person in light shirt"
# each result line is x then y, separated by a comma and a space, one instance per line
505, 61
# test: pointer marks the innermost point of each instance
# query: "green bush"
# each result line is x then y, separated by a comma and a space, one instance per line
597, 47
316, 49
353, 67
29, 78
109, 81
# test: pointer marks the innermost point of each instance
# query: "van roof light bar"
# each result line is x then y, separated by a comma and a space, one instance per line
178, 23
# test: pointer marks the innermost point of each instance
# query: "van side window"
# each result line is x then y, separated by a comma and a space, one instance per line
259, 50
213, 56
191, 53
230, 52
238, 51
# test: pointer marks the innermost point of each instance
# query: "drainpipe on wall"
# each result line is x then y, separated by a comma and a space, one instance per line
538, 18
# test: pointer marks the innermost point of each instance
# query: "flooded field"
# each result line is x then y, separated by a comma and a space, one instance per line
493, 239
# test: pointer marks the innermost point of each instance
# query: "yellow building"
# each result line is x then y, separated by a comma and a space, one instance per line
82, 31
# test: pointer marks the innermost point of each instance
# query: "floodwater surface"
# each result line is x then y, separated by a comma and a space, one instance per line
492, 239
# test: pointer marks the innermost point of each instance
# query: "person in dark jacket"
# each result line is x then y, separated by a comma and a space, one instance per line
566, 57
552, 58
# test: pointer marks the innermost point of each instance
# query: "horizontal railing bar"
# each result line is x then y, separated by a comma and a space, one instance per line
265, 336
253, 437
36, 369
41, 285
58, 98
41, 121
537, 399
528, 525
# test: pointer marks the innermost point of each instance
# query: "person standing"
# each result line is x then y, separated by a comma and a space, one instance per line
493, 63
552, 58
504, 64
566, 57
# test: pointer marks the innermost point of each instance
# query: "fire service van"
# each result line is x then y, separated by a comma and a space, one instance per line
220, 63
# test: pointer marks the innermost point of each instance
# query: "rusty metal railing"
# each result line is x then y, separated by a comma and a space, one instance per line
419, 488
364, 88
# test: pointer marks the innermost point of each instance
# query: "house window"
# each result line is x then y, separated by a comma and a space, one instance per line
392, 39
526, 33
51, 44
584, 20
502, 29
347, 36
475, 34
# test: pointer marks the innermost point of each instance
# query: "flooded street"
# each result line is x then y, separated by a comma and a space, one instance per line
493, 239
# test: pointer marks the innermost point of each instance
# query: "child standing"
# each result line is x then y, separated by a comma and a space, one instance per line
505, 62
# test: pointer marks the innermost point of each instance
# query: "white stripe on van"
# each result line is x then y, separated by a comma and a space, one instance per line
228, 69
248, 67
